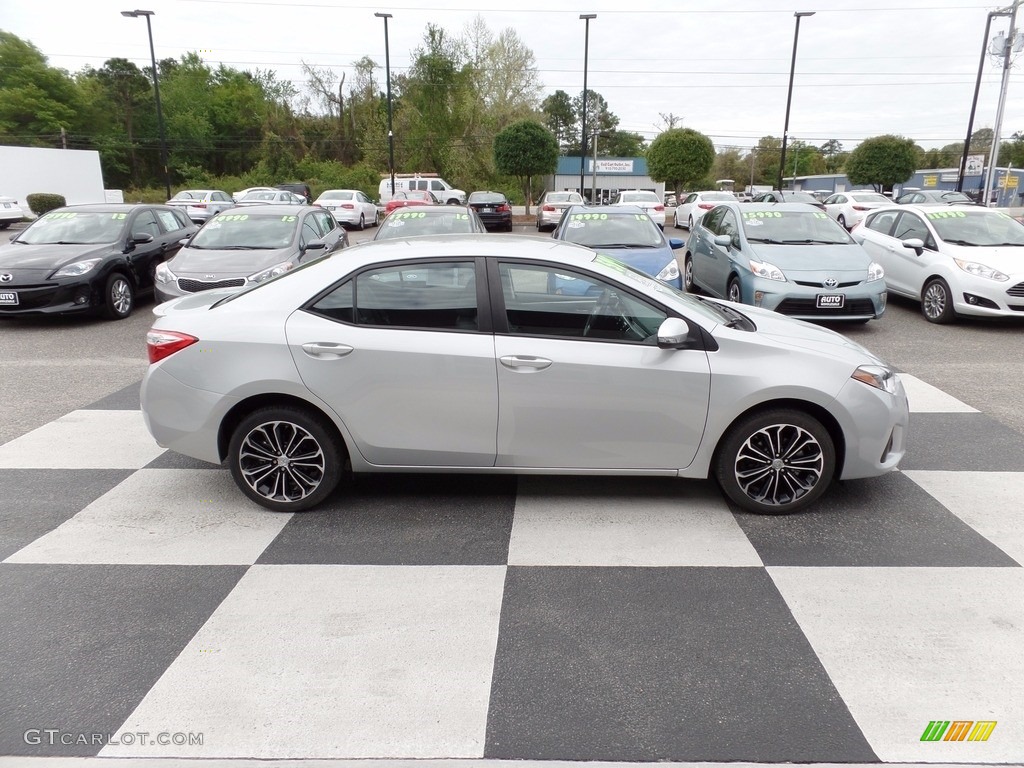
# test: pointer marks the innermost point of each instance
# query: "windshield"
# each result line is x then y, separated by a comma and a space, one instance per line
870, 198
954, 197
980, 227
640, 197
410, 223
337, 195
487, 197
271, 196
80, 227
563, 197
190, 194
729, 196
612, 230
792, 227
246, 230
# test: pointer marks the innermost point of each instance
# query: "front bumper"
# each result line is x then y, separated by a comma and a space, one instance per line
864, 301
186, 285
51, 297
981, 297
875, 425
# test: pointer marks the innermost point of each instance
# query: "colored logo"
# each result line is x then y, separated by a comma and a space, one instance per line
958, 730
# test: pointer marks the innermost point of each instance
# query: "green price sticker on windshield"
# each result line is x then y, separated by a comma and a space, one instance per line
118, 216
289, 218
821, 215
63, 215
589, 216
946, 215
762, 215
235, 217
462, 216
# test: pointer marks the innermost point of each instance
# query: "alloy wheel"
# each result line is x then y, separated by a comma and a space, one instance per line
281, 461
778, 464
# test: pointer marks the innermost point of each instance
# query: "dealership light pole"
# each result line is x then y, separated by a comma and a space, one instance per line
993, 158
387, 71
974, 102
156, 90
789, 94
583, 134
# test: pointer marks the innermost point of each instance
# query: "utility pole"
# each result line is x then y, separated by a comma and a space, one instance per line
994, 152
593, 180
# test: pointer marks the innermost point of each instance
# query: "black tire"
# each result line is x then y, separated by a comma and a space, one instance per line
801, 467
675, 220
689, 223
937, 302
842, 221
5, 225
734, 292
453, 201
265, 470
362, 222
118, 297
376, 218
688, 284
508, 227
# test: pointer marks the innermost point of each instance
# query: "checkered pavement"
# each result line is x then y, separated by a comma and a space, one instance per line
531, 618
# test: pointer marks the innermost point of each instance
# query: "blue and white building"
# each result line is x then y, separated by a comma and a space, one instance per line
610, 175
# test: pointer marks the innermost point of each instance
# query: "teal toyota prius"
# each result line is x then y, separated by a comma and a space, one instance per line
788, 257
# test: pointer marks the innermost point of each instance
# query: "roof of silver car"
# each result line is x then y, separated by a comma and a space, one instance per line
468, 245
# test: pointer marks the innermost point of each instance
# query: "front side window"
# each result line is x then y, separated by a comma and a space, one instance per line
910, 226
713, 220
145, 222
549, 301
430, 296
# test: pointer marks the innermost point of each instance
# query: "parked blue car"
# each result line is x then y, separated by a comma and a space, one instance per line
787, 257
625, 233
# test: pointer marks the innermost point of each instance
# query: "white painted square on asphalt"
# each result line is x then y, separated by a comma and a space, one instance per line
314, 661
162, 517
924, 398
599, 522
989, 502
906, 646
84, 440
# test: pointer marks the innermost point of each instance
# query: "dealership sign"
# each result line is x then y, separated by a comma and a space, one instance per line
611, 166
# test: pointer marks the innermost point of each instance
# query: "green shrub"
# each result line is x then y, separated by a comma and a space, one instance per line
44, 202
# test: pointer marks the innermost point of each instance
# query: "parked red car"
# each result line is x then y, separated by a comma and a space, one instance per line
406, 199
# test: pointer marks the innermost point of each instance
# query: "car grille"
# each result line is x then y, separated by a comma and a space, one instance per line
194, 286
807, 307
1017, 290
822, 285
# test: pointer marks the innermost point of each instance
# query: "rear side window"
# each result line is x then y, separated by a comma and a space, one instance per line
881, 222
169, 221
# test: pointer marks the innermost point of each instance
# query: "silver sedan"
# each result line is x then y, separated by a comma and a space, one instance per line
458, 354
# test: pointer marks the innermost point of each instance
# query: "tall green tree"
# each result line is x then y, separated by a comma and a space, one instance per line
524, 150
680, 158
36, 100
560, 118
882, 161
832, 150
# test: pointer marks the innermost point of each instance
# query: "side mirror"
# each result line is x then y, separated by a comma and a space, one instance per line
141, 238
675, 243
184, 241
673, 333
723, 240
916, 243
315, 245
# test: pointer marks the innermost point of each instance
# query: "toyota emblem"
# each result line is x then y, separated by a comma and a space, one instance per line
831, 282
6, 277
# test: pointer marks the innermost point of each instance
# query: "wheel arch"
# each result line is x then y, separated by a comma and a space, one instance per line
245, 407
811, 409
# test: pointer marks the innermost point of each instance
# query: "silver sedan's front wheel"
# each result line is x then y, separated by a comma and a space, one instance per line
776, 462
285, 459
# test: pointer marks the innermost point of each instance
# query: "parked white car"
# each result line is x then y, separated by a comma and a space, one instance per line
849, 208
201, 205
696, 204
242, 193
955, 260
10, 212
350, 207
649, 201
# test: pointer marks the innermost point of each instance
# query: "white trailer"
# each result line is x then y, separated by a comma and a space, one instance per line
73, 173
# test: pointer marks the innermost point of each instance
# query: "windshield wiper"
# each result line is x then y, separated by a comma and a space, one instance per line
621, 245
768, 240
995, 245
810, 241
961, 242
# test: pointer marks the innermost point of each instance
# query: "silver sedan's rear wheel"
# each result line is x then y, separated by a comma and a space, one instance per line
776, 462
285, 459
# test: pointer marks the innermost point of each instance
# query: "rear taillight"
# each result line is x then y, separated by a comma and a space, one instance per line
504, 207
659, 207
861, 208
706, 206
549, 208
198, 205
348, 206
161, 344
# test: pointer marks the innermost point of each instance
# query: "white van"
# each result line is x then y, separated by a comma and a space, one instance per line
431, 182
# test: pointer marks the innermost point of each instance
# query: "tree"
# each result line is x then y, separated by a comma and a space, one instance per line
524, 150
560, 117
680, 157
767, 154
882, 161
834, 155
621, 144
36, 100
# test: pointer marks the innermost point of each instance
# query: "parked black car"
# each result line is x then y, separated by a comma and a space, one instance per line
88, 258
788, 196
493, 209
299, 189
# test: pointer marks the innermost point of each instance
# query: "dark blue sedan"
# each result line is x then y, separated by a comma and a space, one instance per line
625, 233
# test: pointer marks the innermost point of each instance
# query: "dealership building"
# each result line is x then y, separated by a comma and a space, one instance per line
608, 176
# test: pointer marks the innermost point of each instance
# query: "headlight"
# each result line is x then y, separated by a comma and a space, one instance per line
875, 271
77, 268
980, 270
766, 270
877, 377
274, 271
670, 272
164, 274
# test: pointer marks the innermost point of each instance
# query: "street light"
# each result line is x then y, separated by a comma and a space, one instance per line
974, 102
156, 90
387, 70
789, 95
586, 53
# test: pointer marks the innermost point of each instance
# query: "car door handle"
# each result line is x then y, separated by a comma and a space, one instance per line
526, 362
326, 349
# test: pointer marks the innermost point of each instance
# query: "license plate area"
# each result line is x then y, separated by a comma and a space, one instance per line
8, 298
831, 301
